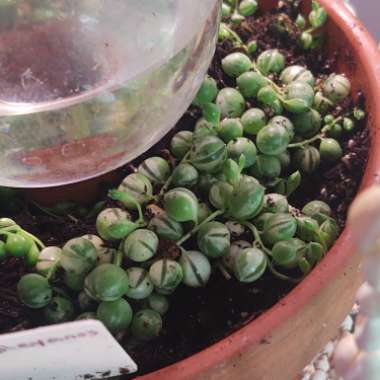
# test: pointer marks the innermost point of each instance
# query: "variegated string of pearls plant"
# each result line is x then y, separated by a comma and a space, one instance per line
232, 176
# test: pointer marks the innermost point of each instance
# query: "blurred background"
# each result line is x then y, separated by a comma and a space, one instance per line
368, 12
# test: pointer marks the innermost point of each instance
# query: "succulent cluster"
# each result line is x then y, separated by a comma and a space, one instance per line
222, 200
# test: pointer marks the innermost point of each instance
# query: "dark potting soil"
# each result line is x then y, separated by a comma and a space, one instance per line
198, 318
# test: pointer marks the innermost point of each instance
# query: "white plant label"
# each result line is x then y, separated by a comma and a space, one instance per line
83, 350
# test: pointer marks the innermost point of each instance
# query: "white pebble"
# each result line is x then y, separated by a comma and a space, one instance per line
309, 369
322, 364
347, 324
319, 375
329, 349
306, 376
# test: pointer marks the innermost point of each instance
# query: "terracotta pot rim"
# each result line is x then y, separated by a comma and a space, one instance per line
259, 330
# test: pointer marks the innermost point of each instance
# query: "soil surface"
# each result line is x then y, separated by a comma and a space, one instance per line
198, 318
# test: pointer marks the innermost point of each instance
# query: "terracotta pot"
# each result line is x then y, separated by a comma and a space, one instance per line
282, 341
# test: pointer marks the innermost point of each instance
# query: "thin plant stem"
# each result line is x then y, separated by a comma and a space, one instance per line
198, 226
168, 182
305, 142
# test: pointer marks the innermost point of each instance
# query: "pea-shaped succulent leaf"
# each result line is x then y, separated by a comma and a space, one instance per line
307, 124
137, 186
246, 200
300, 22
359, 114
34, 291
140, 285
141, 245
231, 171
318, 210
116, 315
79, 256
267, 96
330, 150
224, 32
242, 146
207, 93
253, 121
348, 124
271, 61
237, 18
206, 181
185, 175
107, 282
214, 239
318, 15
6, 222
282, 121
59, 310
279, 227
229, 259
158, 302
236, 64
334, 131
166, 275
287, 253
314, 252
181, 205
250, 83
266, 167
114, 224
204, 212
95, 240
308, 229
181, 143
203, 129
230, 129
219, 194
329, 231
166, 227
226, 10
211, 113
307, 159
146, 325
18, 245
209, 154
248, 7
260, 221
48, 260
306, 40
74, 281
275, 203
250, 264
293, 183
273, 140
321, 103
336, 88
230, 102
299, 97
297, 73
156, 169
252, 47
196, 269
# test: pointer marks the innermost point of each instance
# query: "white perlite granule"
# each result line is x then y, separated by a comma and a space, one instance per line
321, 368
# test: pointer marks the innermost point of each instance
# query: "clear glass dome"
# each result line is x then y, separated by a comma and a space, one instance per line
88, 85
